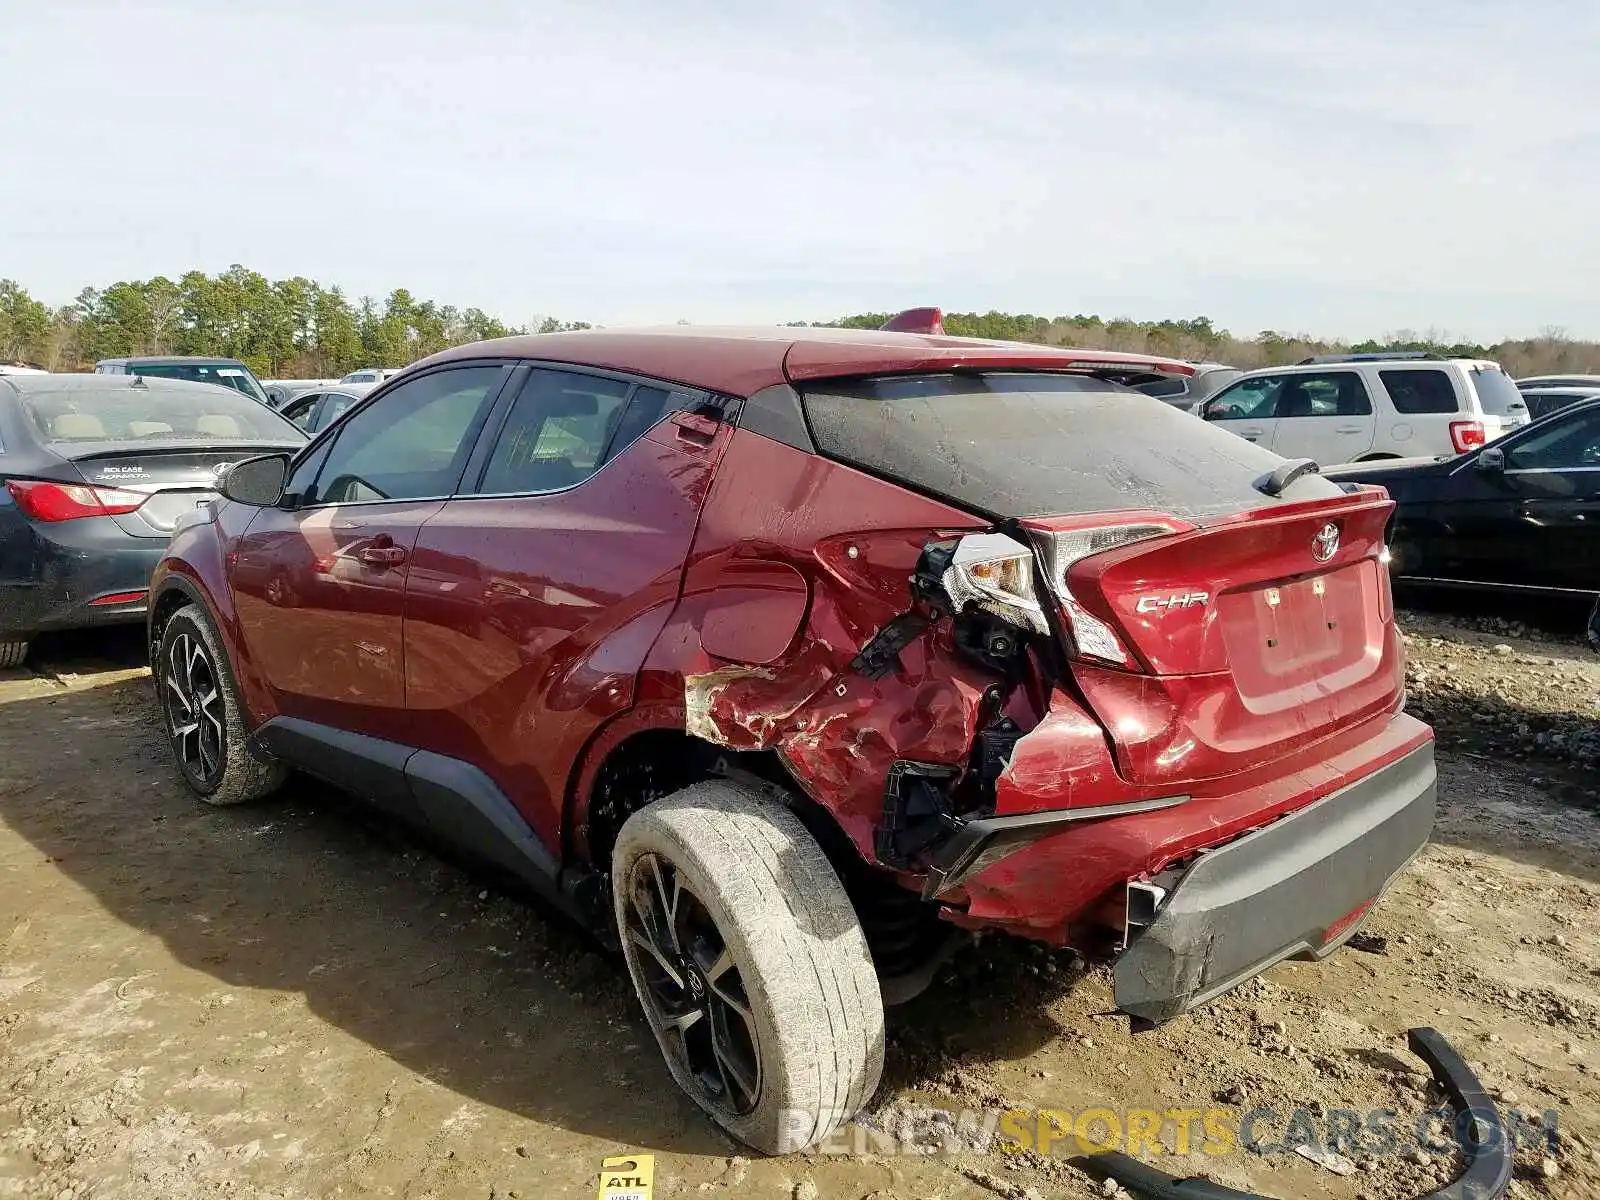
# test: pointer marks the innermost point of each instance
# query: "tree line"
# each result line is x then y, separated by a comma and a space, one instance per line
298, 329
285, 328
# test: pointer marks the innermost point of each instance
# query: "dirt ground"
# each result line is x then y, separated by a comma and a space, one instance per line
292, 1001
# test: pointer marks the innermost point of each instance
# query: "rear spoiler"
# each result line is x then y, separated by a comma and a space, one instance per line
1130, 369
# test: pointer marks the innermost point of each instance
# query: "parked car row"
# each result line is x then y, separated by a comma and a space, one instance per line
230, 372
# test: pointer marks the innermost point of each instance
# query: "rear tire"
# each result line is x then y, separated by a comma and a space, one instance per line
1593, 630
12, 654
200, 709
750, 964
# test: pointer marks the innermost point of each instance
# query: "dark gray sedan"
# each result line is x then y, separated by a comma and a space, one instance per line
94, 472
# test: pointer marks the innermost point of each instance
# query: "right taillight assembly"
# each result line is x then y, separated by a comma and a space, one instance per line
1001, 576
1467, 435
1059, 550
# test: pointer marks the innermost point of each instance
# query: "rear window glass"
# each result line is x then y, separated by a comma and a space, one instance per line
1420, 390
1165, 388
1023, 445
1542, 404
236, 377
1496, 392
125, 414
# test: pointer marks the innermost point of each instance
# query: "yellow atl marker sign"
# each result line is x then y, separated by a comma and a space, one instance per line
628, 1178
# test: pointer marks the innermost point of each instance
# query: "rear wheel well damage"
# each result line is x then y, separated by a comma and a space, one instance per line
907, 939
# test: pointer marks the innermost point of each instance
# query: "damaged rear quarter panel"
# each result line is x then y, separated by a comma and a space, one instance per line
776, 514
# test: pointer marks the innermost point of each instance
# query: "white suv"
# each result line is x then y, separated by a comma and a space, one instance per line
1353, 407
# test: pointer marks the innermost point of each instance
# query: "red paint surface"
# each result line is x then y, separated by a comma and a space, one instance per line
1047, 890
528, 618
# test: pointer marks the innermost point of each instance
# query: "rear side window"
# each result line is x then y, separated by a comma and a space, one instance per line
1020, 445
1336, 394
1420, 390
556, 433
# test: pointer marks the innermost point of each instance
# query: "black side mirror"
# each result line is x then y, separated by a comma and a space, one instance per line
1491, 460
257, 482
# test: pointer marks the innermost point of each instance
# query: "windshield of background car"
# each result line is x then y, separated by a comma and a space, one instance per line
1497, 393
1030, 444
237, 378
153, 413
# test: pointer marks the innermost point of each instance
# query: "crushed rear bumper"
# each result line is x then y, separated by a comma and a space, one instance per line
1289, 889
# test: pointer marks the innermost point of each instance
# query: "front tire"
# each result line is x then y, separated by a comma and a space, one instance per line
204, 720
12, 654
1593, 629
750, 964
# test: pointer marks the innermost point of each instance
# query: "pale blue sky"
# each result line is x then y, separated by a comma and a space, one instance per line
1339, 169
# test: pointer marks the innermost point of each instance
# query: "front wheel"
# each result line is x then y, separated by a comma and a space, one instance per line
12, 653
205, 723
1593, 630
750, 963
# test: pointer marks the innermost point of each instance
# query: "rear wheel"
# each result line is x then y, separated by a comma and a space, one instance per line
1594, 626
750, 964
205, 724
13, 653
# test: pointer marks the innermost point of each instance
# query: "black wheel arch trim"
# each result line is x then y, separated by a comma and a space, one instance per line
175, 583
1488, 1154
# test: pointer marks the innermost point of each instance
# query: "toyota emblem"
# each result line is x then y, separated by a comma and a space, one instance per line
1326, 544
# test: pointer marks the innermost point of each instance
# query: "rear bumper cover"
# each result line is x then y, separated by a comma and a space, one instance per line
49, 578
1487, 1148
1278, 892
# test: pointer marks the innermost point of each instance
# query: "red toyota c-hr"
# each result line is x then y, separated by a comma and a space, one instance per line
786, 656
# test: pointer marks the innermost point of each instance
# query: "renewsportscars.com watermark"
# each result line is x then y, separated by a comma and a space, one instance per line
1217, 1130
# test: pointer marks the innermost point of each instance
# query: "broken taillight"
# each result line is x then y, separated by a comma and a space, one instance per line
1060, 549
994, 572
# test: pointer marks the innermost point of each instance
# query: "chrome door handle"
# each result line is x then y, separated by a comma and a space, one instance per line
382, 556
